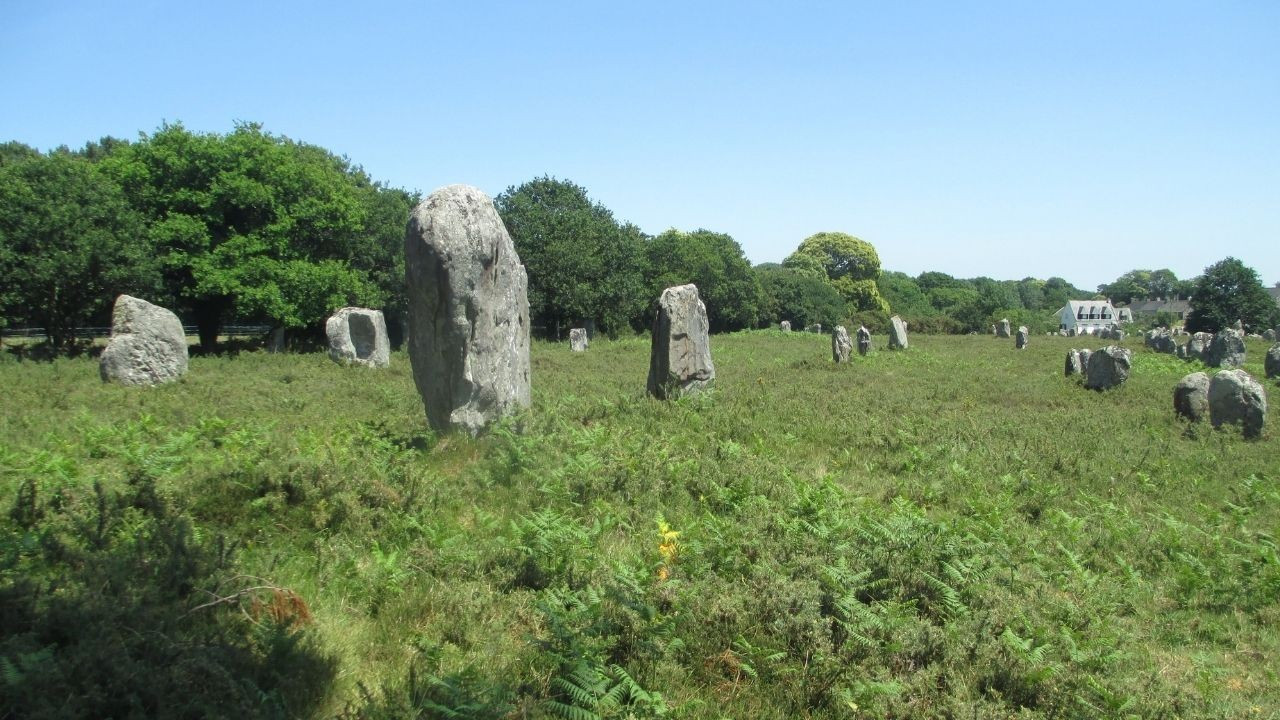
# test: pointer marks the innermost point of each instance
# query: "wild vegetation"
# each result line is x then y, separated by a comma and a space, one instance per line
951, 531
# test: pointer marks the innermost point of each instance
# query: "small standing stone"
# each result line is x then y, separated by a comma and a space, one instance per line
840, 345
1021, 342
993, 329
578, 340
1271, 365
785, 326
1236, 398
358, 336
1269, 335
864, 340
1002, 329
1108, 368
1226, 349
1181, 353
276, 340
1073, 365
1191, 396
680, 350
147, 347
468, 311
1198, 345
1162, 341
897, 333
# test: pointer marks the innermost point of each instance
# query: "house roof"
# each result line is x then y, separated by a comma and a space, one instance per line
1145, 305
1091, 307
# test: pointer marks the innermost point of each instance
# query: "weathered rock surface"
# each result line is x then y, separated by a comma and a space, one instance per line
785, 326
841, 345
1107, 368
1181, 353
1191, 396
578, 340
1002, 329
1023, 336
147, 347
1235, 398
468, 311
358, 336
1226, 349
864, 340
680, 350
1073, 366
1085, 354
1271, 365
897, 333
1162, 341
1198, 345
1269, 335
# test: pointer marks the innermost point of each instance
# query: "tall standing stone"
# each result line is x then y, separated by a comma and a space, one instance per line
785, 326
1191, 397
1002, 329
468, 311
578, 340
864, 340
680, 349
1073, 365
147, 347
1236, 398
1271, 364
841, 346
358, 336
1226, 349
1108, 368
897, 333
1021, 342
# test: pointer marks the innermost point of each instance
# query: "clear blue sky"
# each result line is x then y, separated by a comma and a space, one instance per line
1002, 139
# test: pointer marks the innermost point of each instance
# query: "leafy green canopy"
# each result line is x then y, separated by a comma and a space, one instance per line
256, 225
799, 298
69, 244
1230, 291
851, 266
715, 263
582, 264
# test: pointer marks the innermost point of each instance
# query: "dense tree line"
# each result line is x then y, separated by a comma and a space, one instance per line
245, 225
248, 226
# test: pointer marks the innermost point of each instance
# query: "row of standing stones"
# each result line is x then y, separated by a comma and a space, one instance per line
468, 317
469, 332
1230, 397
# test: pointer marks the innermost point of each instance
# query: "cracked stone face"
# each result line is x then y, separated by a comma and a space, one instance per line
680, 350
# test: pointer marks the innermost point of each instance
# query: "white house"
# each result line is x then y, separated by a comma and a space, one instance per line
1087, 316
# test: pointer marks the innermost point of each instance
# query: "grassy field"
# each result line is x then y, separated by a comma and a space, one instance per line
953, 531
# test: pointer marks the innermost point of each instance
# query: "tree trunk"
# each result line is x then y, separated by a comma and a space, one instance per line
208, 316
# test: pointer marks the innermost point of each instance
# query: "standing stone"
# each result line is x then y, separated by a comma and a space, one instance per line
1023, 336
468, 311
1191, 396
1073, 365
578, 340
1271, 365
358, 336
1236, 398
147, 347
1181, 353
1198, 345
864, 340
1108, 368
1239, 326
785, 326
1226, 349
1162, 341
897, 333
817, 328
841, 346
680, 349
1002, 329
1085, 354
993, 329
1269, 335
1117, 334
